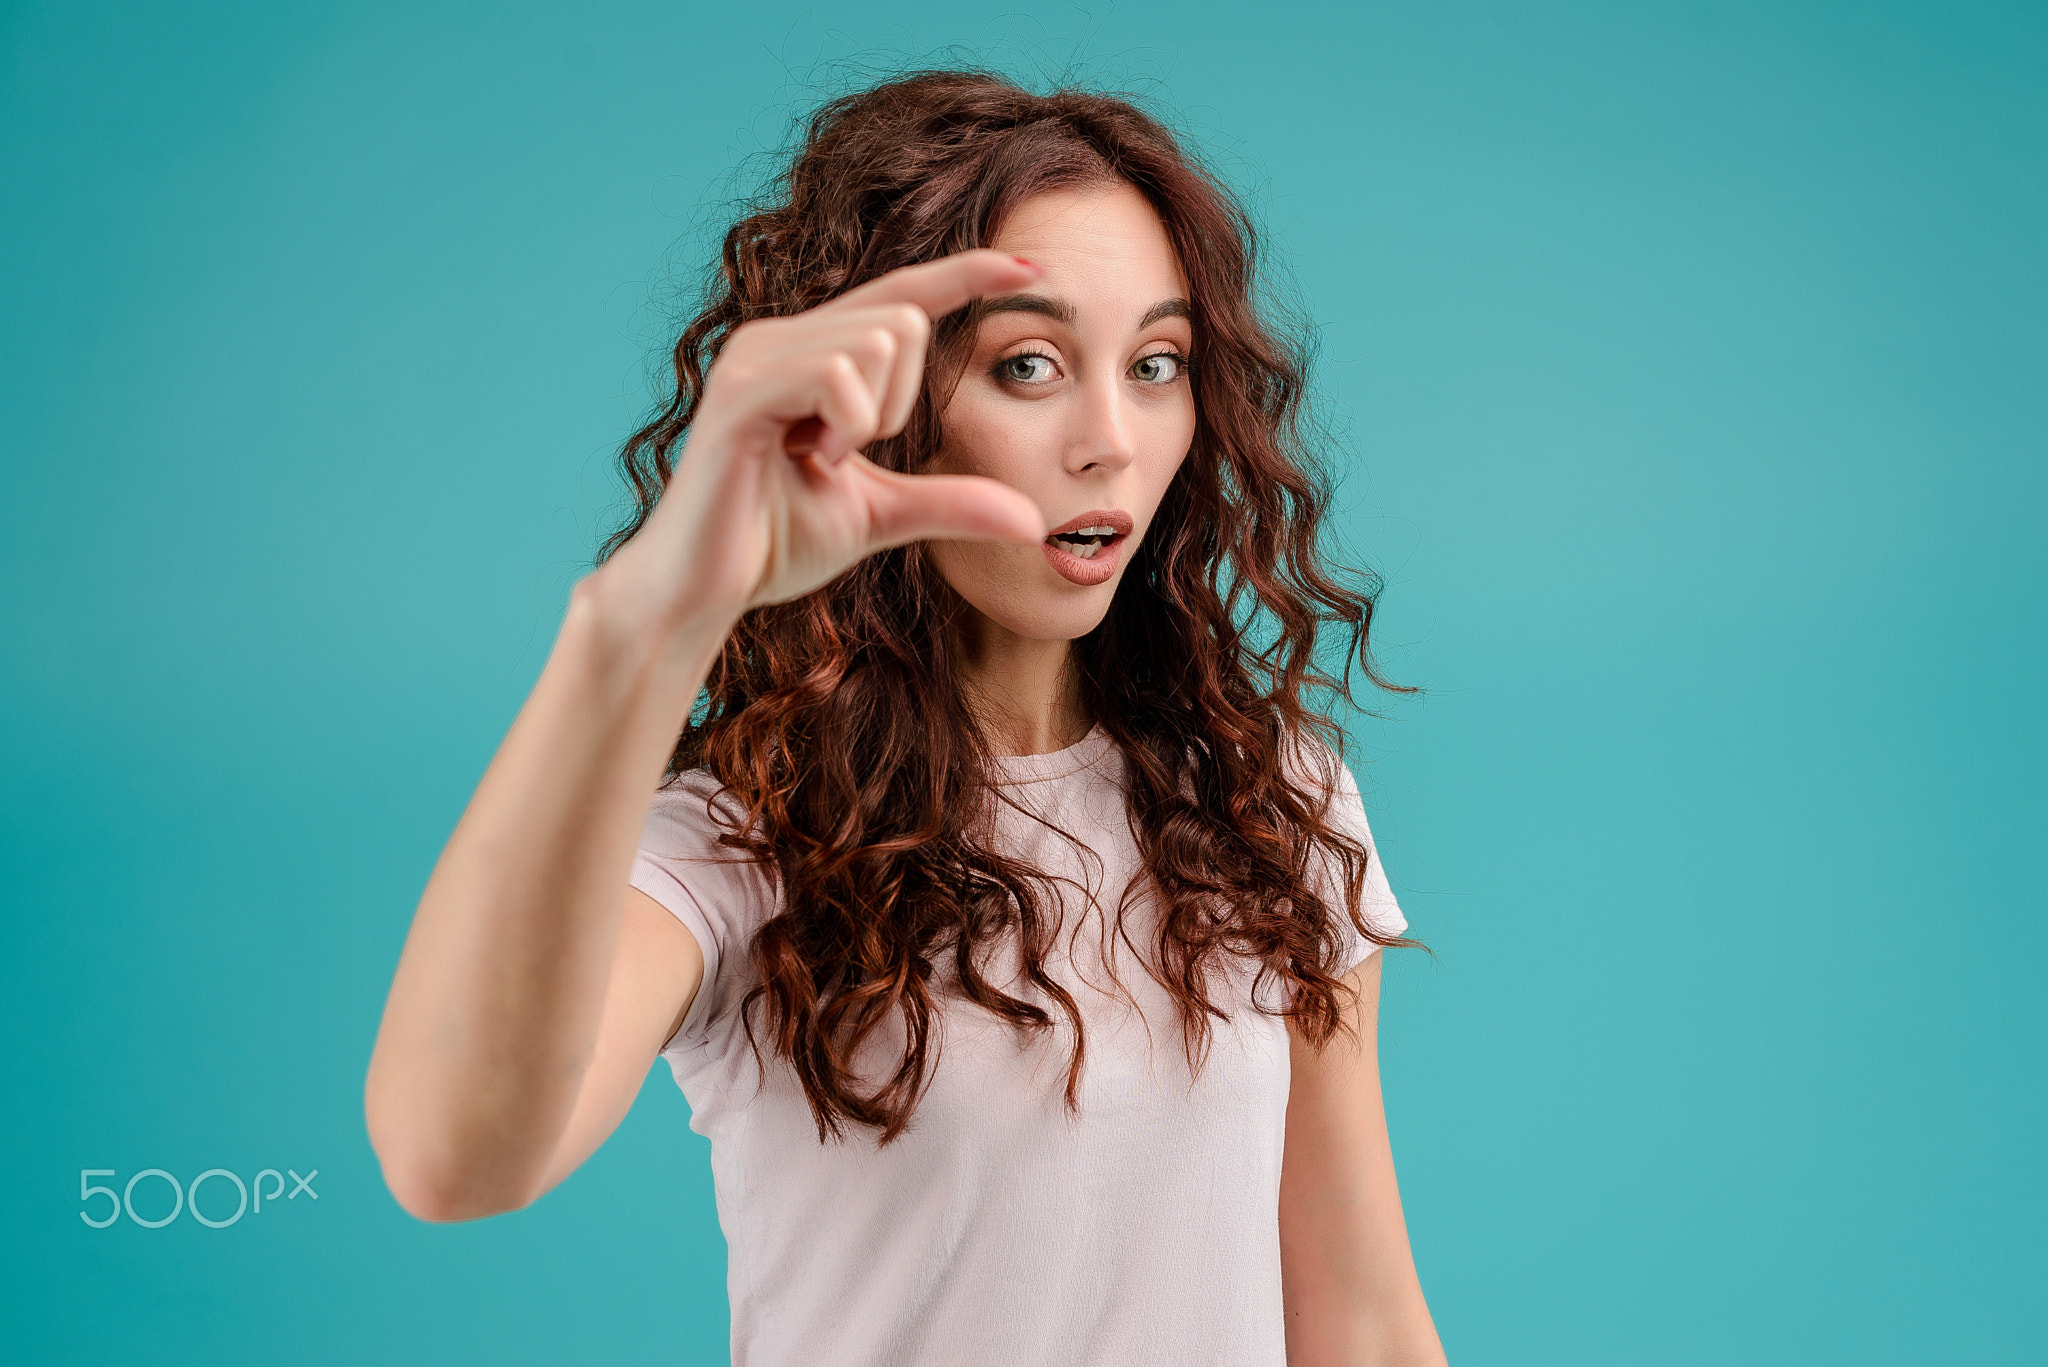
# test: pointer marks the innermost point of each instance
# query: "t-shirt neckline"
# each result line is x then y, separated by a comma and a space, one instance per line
1054, 763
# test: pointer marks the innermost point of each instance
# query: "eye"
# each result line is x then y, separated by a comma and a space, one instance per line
1162, 367
1026, 368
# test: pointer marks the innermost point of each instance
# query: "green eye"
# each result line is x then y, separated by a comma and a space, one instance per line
1029, 368
1161, 368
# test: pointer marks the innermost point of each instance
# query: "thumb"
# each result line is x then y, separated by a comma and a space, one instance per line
905, 508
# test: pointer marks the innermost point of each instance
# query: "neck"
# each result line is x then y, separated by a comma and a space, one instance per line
1023, 693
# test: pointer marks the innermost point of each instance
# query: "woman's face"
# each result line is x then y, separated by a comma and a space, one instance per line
1077, 393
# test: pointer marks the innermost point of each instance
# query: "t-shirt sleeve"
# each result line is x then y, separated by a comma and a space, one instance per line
1324, 768
719, 894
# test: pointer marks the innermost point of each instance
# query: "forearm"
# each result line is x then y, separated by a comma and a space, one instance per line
494, 1010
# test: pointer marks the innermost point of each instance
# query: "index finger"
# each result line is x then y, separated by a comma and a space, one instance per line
939, 287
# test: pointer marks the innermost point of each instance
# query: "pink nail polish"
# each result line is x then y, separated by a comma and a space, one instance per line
1029, 264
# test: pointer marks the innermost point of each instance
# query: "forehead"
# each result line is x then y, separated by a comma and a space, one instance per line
1102, 241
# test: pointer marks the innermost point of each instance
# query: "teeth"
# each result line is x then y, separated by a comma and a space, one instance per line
1084, 542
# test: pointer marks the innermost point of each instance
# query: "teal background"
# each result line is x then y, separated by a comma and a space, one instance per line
1691, 366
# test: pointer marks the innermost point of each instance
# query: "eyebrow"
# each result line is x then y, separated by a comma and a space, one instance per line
1060, 311
1167, 308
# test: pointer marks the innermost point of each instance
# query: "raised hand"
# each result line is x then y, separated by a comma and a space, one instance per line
536, 988
772, 496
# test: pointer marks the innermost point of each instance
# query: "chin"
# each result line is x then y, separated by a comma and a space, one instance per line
1023, 596
1023, 606
1043, 616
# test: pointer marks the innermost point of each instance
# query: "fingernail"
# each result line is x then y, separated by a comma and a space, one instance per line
1028, 264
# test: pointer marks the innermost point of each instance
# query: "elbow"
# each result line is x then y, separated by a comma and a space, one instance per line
445, 1203
442, 1183
443, 1194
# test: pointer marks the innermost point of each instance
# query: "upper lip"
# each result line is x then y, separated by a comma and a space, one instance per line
1097, 517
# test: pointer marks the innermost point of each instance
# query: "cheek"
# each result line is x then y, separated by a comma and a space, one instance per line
1177, 431
976, 441
1165, 440
978, 569
1000, 581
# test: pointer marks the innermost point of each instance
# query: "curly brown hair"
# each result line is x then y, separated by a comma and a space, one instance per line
836, 721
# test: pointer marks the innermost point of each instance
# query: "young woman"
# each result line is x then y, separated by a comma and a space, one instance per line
929, 774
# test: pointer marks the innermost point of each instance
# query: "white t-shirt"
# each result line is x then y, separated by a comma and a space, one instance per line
998, 1229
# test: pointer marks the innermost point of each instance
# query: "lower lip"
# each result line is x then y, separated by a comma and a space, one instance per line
1096, 569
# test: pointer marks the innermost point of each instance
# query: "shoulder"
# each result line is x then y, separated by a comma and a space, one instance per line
1318, 770
721, 893
688, 815
1328, 780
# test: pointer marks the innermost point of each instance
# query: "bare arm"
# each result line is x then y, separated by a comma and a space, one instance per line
492, 1024
1352, 1295
536, 987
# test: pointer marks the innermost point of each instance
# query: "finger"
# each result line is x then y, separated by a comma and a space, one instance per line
829, 408
939, 287
887, 343
912, 327
908, 508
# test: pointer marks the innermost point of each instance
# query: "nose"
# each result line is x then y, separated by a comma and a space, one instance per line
1101, 441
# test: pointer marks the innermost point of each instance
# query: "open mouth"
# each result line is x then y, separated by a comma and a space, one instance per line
1084, 542
1086, 548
